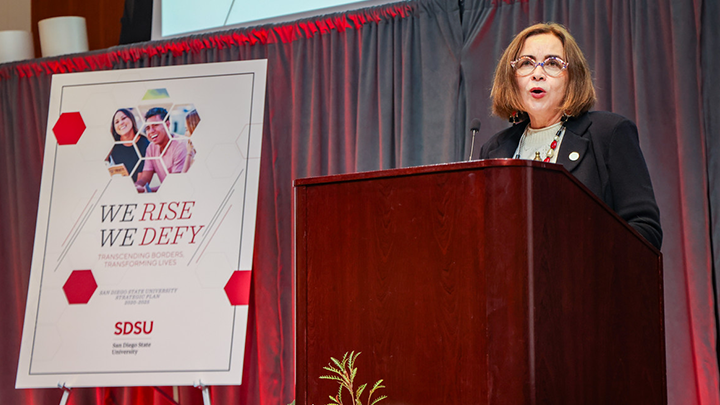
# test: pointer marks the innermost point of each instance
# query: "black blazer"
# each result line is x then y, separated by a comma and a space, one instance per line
610, 164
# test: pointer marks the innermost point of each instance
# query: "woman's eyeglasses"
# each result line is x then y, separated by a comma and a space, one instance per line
525, 65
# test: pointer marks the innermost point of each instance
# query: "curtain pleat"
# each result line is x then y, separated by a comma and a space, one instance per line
397, 86
709, 62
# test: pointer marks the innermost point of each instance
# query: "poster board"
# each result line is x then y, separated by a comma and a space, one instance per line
139, 283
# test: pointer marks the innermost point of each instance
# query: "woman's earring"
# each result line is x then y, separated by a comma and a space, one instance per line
514, 117
565, 117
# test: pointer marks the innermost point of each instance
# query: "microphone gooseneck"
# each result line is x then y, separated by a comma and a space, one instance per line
474, 128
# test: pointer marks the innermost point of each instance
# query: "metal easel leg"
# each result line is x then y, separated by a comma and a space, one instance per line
205, 392
206, 395
65, 395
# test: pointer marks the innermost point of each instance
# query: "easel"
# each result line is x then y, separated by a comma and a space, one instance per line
205, 392
65, 395
204, 388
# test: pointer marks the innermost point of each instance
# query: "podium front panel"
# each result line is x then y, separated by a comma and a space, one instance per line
473, 284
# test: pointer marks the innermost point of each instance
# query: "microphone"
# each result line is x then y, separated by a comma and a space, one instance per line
474, 128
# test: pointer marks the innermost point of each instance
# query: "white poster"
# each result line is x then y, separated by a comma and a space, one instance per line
144, 241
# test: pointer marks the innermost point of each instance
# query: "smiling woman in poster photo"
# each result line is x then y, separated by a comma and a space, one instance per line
125, 133
543, 85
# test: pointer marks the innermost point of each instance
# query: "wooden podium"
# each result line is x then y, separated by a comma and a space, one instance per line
490, 282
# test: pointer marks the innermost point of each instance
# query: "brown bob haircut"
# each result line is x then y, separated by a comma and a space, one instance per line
579, 93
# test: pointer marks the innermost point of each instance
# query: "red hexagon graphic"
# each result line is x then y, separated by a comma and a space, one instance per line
69, 128
80, 286
238, 287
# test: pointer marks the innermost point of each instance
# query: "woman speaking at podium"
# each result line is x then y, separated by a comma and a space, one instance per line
543, 85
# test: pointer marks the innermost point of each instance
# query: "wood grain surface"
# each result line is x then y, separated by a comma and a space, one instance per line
493, 282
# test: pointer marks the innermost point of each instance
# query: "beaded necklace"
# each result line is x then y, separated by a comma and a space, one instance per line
553, 145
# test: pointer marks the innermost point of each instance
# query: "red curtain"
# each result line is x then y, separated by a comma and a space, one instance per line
397, 86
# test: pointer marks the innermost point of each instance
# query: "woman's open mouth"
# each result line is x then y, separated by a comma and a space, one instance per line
537, 92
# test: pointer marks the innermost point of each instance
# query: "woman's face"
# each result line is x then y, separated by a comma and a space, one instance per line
123, 124
540, 93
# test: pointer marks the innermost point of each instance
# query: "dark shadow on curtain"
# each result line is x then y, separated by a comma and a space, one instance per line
710, 44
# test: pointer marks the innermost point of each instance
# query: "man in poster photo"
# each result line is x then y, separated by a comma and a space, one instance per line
163, 147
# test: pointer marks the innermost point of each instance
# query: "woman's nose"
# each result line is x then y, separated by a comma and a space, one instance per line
538, 73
